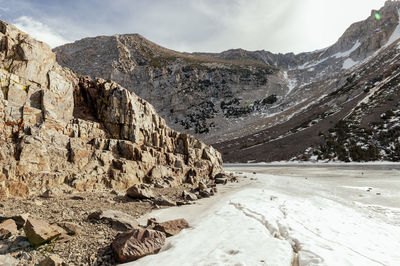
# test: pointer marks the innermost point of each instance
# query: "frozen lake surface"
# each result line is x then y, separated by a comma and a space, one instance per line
291, 215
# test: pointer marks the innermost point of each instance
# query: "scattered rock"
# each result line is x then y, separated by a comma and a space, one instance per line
137, 243
221, 181
171, 228
181, 203
207, 193
77, 198
119, 220
52, 260
71, 228
20, 220
189, 196
163, 201
202, 186
51, 193
8, 260
4, 248
140, 192
23, 243
221, 178
39, 232
37, 202
8, 228
63, 237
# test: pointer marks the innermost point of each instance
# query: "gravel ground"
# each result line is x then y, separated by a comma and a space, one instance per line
92, 245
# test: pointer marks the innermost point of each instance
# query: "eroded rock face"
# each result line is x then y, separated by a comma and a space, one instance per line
58, 128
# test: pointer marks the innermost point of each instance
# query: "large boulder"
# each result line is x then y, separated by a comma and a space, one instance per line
135, 244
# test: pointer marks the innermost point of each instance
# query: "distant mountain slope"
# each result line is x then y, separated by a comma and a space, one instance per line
359, 121
239, 98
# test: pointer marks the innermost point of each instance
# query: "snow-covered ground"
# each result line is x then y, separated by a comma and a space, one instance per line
292, 215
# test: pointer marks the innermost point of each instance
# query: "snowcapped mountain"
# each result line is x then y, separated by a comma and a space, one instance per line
259, 105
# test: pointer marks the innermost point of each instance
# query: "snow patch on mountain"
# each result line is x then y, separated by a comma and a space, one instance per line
349, 63
348, 52
396, 33
291, 83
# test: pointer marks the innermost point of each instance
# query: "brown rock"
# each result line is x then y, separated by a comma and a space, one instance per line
39, 232
63, 237
8, 228
8, 260
163, 201
140, 192
51, 193
171, 228
52, 260
221, 178
135, 244
202, 186
189, 196
71, 228
20, 220
206, 193
119, 220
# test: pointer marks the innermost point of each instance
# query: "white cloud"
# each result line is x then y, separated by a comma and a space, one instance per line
40, 31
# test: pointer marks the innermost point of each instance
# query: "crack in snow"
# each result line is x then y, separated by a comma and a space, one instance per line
282, 232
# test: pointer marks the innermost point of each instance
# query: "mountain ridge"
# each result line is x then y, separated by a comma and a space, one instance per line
237, 93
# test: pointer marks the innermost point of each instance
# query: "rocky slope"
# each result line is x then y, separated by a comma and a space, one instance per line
59, 129
357, 121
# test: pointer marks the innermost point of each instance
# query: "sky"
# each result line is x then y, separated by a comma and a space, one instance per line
193, 25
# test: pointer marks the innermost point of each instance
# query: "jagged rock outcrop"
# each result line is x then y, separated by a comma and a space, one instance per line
58, 128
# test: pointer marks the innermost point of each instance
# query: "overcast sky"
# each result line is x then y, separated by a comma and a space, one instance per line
193, 25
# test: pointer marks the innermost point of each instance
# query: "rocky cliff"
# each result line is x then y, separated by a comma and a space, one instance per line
60, 129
